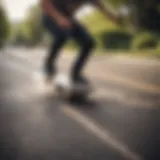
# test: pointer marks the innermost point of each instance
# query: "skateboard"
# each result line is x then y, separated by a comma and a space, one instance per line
65, 89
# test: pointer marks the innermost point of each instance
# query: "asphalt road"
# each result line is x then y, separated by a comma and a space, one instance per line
121, 123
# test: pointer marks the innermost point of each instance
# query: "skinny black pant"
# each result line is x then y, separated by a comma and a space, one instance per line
60, 36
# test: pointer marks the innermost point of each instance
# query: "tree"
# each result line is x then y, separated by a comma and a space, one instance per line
4, 26
145, 14
32, 26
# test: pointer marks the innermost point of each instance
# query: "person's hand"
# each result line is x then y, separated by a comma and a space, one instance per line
64, 22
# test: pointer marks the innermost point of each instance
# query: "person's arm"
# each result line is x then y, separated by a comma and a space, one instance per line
50, 9
106, 10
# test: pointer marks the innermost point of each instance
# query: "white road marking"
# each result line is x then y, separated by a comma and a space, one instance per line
101, 133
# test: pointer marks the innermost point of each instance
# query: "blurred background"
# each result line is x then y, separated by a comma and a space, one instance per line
121, 120
139, 34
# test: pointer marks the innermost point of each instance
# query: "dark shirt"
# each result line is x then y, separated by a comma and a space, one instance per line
68, 7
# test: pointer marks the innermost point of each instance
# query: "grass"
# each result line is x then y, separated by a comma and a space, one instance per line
123, 53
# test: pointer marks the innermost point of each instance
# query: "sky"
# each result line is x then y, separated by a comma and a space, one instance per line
16, 9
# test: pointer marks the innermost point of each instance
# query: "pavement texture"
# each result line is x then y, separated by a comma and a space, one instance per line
121, 122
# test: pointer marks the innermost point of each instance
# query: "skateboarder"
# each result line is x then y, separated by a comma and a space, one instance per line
58, 19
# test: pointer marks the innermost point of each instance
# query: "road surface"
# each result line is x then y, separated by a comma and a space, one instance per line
122, 123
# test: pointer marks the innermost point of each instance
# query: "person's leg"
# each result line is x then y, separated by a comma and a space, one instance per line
59, 38
50, 66
86, 43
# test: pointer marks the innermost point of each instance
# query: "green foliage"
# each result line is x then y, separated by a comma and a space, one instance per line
158, 48
97, 22
4, 27
147, 14
30, 31
116, 39
144, 40
32, 27
108, 35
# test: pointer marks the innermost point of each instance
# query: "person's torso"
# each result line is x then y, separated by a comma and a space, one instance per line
68, 7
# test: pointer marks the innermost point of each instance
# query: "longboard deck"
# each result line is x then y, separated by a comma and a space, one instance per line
50, 90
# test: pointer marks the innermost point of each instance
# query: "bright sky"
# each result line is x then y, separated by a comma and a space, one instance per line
17, 8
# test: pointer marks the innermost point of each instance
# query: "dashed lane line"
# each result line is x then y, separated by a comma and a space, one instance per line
102, 134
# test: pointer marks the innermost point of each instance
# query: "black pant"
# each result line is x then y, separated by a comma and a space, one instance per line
60, 37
